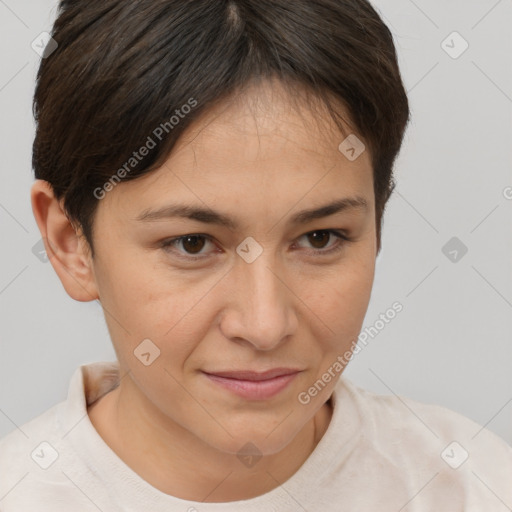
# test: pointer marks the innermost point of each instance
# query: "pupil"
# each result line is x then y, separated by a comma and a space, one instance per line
323, 234
195, 246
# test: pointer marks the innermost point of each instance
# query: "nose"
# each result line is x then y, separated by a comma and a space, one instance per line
260, 310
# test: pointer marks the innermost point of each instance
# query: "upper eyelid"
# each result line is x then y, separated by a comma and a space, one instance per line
337, 233
211, 238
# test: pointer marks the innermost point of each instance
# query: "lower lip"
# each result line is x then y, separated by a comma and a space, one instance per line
254, 390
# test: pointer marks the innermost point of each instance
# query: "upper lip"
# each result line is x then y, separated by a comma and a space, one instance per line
255, 376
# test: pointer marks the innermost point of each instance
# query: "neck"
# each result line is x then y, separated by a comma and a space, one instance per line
178, 463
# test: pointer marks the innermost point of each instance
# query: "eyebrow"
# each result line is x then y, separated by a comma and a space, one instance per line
209, 216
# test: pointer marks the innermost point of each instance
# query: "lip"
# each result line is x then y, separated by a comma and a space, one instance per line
254, 376
254, 385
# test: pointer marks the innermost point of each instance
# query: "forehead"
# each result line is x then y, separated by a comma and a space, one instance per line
269, 109
261, 145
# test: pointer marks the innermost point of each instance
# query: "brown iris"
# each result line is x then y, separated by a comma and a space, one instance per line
194, 242
321, 236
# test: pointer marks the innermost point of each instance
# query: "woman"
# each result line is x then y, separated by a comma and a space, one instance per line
215, 174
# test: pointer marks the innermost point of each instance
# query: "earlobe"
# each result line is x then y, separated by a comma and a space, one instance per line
65, 248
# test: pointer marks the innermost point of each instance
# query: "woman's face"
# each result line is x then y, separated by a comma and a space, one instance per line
276, 289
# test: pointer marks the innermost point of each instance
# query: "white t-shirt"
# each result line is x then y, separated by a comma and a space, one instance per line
379, 453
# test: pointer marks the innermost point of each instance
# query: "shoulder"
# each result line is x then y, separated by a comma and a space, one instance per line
431, 441
23, 437
39, 466
426, 422
38, 461
27, 448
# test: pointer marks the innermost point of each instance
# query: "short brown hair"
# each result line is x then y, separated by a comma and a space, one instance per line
122, 69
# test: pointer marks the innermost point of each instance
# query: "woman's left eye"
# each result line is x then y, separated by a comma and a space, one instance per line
319, 236
193, 244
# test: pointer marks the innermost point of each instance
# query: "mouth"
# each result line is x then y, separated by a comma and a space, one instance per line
254, 385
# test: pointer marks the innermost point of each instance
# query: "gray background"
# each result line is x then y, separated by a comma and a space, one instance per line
451, 344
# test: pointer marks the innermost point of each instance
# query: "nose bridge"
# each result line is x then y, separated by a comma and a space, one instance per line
264, 303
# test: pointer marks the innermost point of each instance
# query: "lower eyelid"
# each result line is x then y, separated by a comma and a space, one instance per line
173, 242
341, 237
341, 240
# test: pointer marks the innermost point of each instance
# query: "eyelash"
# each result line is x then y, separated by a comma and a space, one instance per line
342, 240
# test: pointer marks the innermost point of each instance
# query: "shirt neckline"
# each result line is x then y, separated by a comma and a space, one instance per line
132, 492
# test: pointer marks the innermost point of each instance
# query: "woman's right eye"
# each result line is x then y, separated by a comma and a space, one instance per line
192, 245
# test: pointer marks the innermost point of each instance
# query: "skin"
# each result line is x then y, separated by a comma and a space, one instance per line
258, 158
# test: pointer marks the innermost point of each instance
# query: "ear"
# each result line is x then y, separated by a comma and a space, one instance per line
67, 250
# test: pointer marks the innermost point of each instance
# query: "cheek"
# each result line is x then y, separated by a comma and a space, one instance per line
137, 303
136, 288
339, 301
171, 312
340, 306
